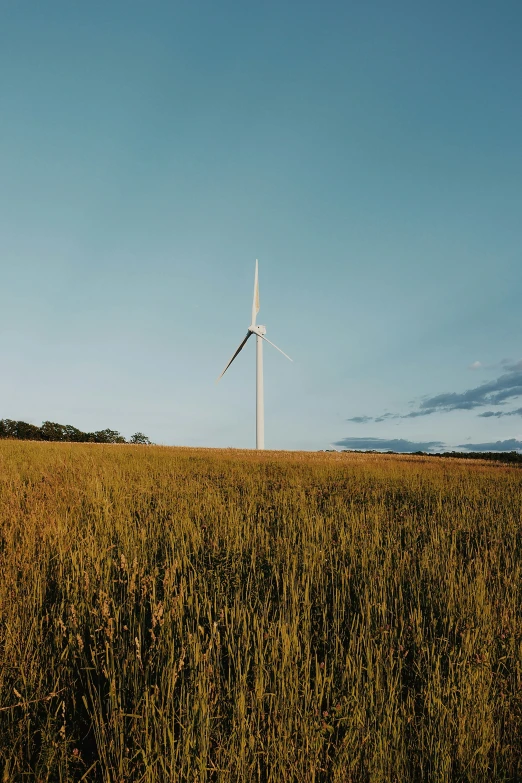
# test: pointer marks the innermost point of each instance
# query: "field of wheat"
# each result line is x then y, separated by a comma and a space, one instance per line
204, 616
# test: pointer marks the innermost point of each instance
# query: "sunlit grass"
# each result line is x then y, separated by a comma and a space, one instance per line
204, 615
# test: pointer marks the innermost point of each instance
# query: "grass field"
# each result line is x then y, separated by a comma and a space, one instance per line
193, 615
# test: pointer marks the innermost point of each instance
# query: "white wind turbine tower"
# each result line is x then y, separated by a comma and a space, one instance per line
260, 332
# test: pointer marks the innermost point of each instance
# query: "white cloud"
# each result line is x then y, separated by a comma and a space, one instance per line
475, 366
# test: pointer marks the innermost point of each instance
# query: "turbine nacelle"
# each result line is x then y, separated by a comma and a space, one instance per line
257, 329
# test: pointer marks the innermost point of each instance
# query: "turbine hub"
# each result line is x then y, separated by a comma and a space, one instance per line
256, 329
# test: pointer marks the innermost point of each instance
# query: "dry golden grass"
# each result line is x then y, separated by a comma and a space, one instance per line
203, 615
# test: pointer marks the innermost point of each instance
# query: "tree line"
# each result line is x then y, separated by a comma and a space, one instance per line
64, 433
495, 456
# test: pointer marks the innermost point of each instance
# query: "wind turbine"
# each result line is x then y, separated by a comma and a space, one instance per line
260, 332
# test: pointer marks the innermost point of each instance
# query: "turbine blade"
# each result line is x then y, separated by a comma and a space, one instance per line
234, 356
255, 302
275, 346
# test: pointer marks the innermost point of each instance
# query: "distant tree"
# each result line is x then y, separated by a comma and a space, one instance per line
20, 430
74, 435
6, 428
107, 436
50, 430
141, 439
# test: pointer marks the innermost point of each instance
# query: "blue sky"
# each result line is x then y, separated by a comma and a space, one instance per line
367, 153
